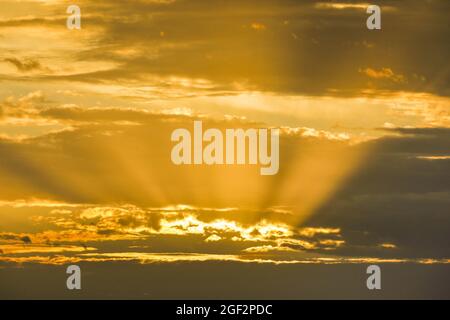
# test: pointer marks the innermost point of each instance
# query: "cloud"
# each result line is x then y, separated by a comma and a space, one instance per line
148, 258
25, 65
218, 49
396, 197
341, 6
63, 229
43, 250
26, 239
98, 152
231, 230
258, 26
431, 158
311, 232
383, 73
110, 157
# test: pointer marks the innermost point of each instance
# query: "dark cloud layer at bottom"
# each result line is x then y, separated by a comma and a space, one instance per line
226, 281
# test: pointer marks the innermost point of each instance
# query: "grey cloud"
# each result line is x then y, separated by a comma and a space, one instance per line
24, 65
396, 197
302, 50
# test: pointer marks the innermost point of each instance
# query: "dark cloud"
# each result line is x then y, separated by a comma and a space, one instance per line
300, 50
25, 65
26, 239
397, 197
236, 281
15, 237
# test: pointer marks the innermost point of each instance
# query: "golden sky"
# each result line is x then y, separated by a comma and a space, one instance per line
86, 117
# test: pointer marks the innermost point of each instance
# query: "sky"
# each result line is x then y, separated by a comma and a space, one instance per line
86, 177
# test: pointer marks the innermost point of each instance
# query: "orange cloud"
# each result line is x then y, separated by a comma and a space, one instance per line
383, 73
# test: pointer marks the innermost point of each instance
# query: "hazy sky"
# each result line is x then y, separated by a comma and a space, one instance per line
86, 117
